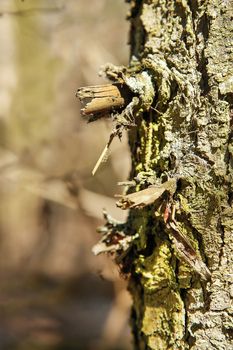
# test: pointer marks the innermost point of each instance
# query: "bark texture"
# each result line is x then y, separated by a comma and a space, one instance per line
186, 46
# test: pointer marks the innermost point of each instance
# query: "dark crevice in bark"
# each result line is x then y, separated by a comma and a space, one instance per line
135, 327
135, 7
228, 97
191, 339
183, 14
220, 228
176, 266
206, 297
148, 251
193, 5
230, 197
227, 156
126, 263
229, 160
183, 294
174, 89
137, 33
134, 145
228, 333
201, 248
230, 154
197, 236
179, 10
204, 81
137, 38
203, 28
231, 118
137, 310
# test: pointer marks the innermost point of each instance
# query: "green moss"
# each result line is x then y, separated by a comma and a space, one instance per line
156, 270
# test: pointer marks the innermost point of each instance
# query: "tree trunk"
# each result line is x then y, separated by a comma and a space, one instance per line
186, 46
178, 242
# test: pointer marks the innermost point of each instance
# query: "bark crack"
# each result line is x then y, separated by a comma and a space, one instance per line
222, 234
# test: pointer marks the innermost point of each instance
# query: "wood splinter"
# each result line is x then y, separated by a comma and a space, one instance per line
103, 155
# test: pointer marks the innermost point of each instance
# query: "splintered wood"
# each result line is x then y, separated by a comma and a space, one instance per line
103, 155
100, 100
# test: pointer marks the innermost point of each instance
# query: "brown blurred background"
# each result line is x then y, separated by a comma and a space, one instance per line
54, 294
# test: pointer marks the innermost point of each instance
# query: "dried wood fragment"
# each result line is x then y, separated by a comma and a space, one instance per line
145, 197
114, 239
101, 100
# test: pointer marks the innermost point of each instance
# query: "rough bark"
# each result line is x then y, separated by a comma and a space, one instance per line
181, 78
187, 48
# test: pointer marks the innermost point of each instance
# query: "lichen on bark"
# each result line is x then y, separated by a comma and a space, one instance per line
186, 46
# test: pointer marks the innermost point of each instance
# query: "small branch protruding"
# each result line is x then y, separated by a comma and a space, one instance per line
100, 100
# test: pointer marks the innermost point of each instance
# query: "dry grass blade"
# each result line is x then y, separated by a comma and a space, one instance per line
103, 155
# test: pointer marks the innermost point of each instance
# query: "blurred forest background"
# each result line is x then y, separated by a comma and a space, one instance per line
54, 293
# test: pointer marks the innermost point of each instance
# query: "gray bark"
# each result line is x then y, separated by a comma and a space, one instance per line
187, 48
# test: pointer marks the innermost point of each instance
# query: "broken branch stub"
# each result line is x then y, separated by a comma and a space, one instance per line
129, 96
100, 100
